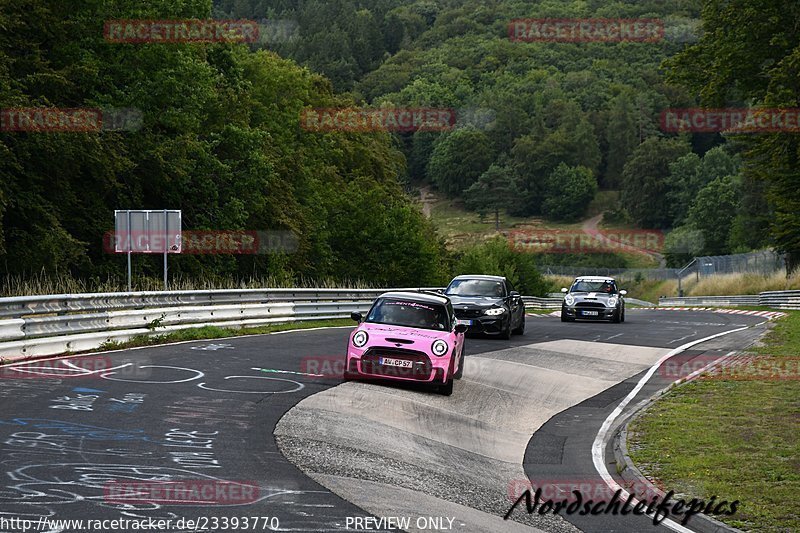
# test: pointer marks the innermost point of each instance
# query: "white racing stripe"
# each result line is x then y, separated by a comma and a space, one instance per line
598, 445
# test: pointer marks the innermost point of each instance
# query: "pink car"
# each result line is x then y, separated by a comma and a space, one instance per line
408, 336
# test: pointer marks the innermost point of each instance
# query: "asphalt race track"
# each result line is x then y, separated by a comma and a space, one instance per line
321, 452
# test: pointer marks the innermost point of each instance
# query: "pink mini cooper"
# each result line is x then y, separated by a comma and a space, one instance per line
408, 336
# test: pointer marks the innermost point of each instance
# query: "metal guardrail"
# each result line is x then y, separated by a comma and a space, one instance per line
19, 306
535, 302
780, 299
53, 324
718, 301
773, 299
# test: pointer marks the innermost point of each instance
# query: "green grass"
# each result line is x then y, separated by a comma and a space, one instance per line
461, 228
737, 440
44, 283
530, 311
649, 290
215, 332
743, 283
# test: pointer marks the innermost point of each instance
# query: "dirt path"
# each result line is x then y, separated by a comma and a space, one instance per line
590, 226
427, 200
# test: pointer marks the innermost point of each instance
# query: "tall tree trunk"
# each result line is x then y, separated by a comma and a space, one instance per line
792, 261
497, 219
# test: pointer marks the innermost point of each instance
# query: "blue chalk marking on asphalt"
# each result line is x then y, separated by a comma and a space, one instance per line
273, 371
82, 430
88, 391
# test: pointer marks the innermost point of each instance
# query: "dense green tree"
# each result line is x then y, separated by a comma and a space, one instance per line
646, 181
495, 190
621, 138
495, 257
684, 184
568, 193
458, 160
713, 212
690, 173
220, 140
538, 154
747, 55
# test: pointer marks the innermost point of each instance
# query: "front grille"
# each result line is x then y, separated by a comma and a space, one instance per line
596, 305
399, 341
468, 313
420, 363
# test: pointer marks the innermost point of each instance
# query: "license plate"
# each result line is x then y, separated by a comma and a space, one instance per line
388, 361
589, 313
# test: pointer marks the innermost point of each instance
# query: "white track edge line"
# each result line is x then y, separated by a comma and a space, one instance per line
598, 446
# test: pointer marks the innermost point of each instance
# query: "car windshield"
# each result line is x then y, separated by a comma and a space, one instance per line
476, 287
594, 286
409, 314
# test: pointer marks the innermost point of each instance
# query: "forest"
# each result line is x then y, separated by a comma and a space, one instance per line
545, 125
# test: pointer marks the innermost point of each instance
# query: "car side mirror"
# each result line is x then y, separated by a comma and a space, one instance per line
461, 328
355, 315
564, 289
623, 292
440, 291
514, 294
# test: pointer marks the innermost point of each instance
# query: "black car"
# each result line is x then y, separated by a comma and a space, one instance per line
490, 303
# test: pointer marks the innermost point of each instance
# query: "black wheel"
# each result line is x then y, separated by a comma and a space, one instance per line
564, 317
622, 317
521, 329
615, 317
447, 388
506, 334
460, 372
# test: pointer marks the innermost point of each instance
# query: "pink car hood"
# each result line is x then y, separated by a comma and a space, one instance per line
422, 338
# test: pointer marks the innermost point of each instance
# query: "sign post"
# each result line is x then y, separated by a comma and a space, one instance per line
128, 213
139, 231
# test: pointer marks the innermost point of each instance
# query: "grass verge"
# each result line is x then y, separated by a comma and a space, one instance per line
746, 283
733, 439
215, 332
530, 311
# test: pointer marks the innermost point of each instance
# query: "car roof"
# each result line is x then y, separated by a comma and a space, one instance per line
480, 276
595, 278
416, 297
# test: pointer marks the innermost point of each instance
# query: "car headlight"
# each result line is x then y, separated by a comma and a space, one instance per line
360, 338
612, 302
494, 311
439, 348
569, 299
